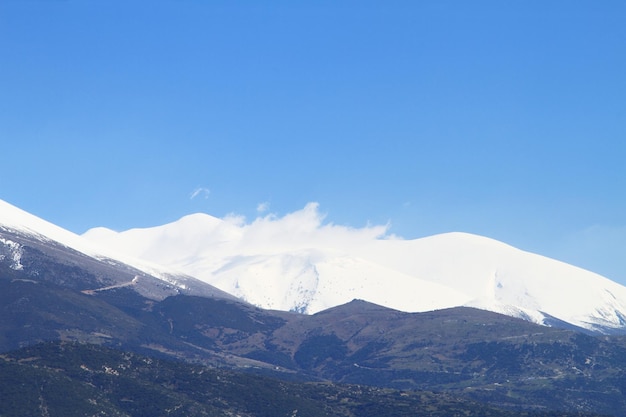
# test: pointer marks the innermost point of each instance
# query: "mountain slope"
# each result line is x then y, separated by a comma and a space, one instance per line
46, 251
50, 292
81, 380
298, 263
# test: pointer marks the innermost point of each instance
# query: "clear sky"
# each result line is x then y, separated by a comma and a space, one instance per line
501, 118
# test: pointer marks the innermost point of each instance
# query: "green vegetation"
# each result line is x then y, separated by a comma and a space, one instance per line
71, 379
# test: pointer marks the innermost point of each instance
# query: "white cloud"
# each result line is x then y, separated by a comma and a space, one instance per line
200, 191
303, 229
263, 207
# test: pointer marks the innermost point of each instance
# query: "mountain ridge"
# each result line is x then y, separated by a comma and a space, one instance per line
51, 292
301, 264
22, 232
298, 263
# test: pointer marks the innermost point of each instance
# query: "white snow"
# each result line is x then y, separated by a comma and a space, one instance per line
14, 250
19, 221
298, 262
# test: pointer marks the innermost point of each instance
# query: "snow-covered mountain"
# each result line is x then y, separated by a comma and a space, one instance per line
29, 240
299, 263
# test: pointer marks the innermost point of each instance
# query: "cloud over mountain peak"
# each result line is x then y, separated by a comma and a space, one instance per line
300, 262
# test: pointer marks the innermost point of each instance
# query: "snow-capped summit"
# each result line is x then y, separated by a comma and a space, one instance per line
299, 263
20, 230
18, 220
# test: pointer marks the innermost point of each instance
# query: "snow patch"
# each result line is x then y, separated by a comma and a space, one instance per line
13, 251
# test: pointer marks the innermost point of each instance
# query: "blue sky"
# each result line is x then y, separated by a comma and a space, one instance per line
505, 119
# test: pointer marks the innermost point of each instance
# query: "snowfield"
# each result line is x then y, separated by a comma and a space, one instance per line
299, 263
15, 220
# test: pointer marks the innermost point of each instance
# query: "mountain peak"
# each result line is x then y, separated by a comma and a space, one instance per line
22, 232
273, 263
278, 264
